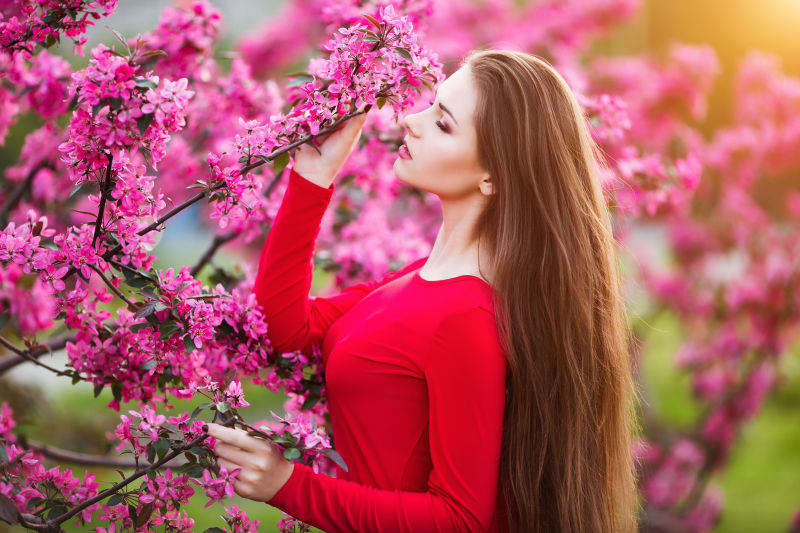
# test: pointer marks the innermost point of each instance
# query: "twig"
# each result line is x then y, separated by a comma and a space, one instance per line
78, 458
103, 195
218, 241
9, 362
53, 523
16, 196
26, 355
112, 287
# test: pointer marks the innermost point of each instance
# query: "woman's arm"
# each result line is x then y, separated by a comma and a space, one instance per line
283, 281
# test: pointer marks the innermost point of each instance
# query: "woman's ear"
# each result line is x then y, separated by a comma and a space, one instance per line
486, 185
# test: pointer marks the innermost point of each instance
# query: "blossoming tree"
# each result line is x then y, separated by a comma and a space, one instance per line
155, 125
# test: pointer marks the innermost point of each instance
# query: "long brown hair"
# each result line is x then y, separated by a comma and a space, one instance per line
567, 461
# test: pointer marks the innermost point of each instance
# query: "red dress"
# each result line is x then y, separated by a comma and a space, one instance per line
415, 375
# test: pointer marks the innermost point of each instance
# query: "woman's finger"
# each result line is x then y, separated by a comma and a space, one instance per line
233, 436
230, 466
230, 453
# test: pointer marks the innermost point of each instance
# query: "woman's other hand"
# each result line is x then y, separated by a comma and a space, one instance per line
264, 468
323, 166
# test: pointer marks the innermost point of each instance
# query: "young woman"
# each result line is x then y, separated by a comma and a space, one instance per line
486, 386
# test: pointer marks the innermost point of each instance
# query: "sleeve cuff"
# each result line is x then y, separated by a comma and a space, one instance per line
309, 187
288, 491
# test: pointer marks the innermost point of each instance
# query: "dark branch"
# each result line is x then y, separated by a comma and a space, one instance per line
218, 241
115, 290
14, 198
26, 356
98, 224
53, 523
9, 362
78, 458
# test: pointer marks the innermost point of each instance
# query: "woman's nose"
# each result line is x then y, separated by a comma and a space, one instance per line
408, 126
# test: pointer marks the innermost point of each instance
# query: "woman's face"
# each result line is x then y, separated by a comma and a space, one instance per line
443, 144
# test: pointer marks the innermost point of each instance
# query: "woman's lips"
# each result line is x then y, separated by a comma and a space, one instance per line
403, 151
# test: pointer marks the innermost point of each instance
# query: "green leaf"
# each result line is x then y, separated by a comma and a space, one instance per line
98, 389
77, 188
150, 453
167, 329
153, 53
403, 52
137, 282
222, 407
144, 82
114, 500
335, 457
149, 292
97, 107
3, 454
291, 453
280, 162
299, 80
147, 510
188, 343
116, 390
371, 39
57, 510
144, 122
33, 502
148, 365
310, 401
380, 102
161, 447
50, 41
194, 470
146, 310
8, 510
373, 20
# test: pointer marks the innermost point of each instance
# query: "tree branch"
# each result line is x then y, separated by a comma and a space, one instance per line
218, 241
54, 522
26, 356
103, 195
113, 288
14, 198
60, 454
9, 362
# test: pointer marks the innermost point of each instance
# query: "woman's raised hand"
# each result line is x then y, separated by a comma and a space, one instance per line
323, 166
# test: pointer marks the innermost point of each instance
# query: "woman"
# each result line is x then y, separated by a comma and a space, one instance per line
487, 386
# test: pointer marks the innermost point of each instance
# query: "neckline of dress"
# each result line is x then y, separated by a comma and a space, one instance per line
418, 277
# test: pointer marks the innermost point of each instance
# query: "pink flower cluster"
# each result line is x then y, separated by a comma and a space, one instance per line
117, 110
187, 37
28, 484
239, 522
43, 21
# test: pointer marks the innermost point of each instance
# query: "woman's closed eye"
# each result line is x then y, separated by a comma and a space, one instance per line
441, 125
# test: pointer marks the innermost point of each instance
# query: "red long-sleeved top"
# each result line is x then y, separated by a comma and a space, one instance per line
415, 375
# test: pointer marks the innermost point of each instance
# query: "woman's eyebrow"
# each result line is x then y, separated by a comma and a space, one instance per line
444, 108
